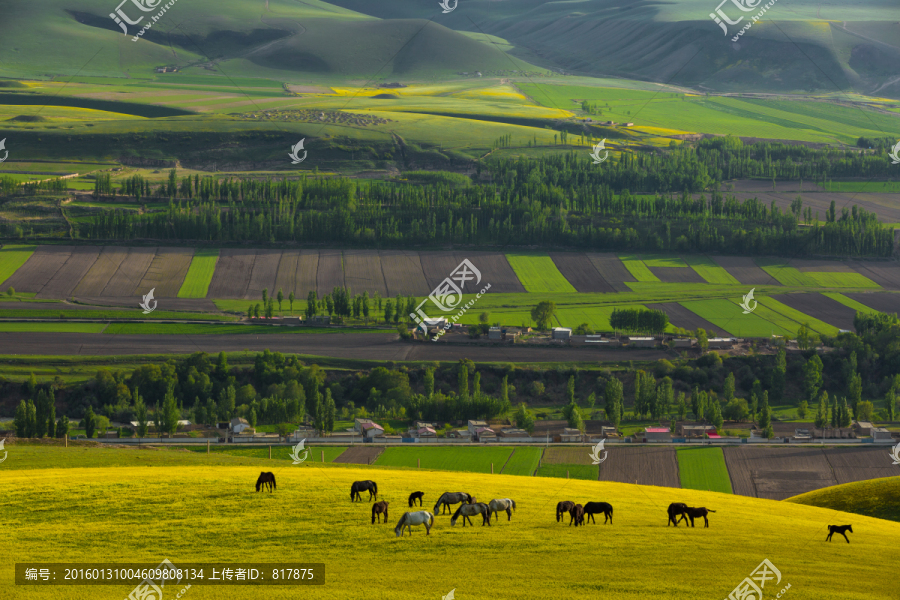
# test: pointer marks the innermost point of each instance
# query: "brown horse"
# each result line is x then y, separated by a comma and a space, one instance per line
695, 513
595, 508
675, 509
380, 508
577, 515
562, 508
416, 496
841, 529
267, 480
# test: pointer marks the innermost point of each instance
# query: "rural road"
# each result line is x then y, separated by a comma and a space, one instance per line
365, 346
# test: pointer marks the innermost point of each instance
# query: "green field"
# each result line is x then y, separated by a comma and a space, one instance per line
11, 258
524, 461
12, 327
595, 316
200, 274
773, 305
887, 187
842, 280
879, 498
223, 329
278, 452
857, 306
539, 274
476, 460
107, 315
588, 472
710, 271
638, 269
703, 469
728, 315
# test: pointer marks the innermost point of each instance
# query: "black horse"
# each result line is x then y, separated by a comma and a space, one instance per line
562, 508
695, 513
416, 496
841, 529
267, 480
577, 515
362, 486
595, 508
675, 509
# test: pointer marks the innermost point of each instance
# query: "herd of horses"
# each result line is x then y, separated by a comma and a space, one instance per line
470, 507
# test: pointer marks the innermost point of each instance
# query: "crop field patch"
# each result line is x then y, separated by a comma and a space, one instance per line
858, 464
728, 316
676, 275
495, 269
39, 269
805, 265
885, 274
777, 473
286, 279
475, 460
703, 469
437, 266
841, 279
403, 273
362, 272
100, 273
679, 316
232, 274
11, 259
850, 303
785, 274
262, 277
638, 269
278, 452
824, 308
595, 316
200, 273
662, 260
524, 461
880, 301
571, 455
51, 327
649, 465
539, 274
580, 272
130, 273
710, 271
64, 281
568, 471
745, 270
167, 271
330, 272
796, 315
359, 455
307, 273
612, 270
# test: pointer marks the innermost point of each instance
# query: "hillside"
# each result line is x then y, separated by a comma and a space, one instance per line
879, 498
152, 513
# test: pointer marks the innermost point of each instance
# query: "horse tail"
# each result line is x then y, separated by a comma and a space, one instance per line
375, 488
710, 510
513, 504
273, 482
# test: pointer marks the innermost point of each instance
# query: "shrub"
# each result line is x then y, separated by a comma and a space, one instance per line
536, 388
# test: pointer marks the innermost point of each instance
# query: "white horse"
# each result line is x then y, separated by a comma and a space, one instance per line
421, 517
506, 504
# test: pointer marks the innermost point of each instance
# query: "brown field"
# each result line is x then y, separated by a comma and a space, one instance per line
286, 279
882, 204
745, 270
362, 272
101, 271
359, 455
821, 307
646, 465
885, 274
39, 268
265, 270
232, 275
612, 270
580, 272
777, 473
403, 273
567, 455
131, 302
880, 301
331, 272
66, 279
130, 273
307, 270
437, 266
677, 275
857, 464
821, 266
679, 316
166, 272
494, 269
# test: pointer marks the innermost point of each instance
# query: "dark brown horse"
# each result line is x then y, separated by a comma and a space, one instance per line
841, 529
416, 496
595, 508
695, 513
577, 515
562, 508
362, 486
675, 509
380, 508
266, 479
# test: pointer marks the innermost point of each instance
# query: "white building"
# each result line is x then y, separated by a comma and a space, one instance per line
561, 333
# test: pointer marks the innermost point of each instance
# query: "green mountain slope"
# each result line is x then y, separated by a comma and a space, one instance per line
879, 498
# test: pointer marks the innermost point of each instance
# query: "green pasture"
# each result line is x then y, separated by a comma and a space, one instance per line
888, 187
539, 274
200, 274
879, 498
11, 258
524, 461
727, 314
476, 460
568, 471
703, 469
710, 271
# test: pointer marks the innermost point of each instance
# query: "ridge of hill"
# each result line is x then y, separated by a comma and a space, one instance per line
879, 498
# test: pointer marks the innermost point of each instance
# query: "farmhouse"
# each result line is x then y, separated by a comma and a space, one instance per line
721, 343
881, 433
863, 427
368, 428
181, 423
485, 434
657, 434
512, 434
801, 435
561, 333
683, 342
494, 333
642, 342
238, 424
695, 430
422, 429
302, 433
475, 425
460, 434
571, 435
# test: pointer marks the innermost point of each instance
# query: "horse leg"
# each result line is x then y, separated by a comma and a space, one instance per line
828, 539
845, 537
705, 521
508, 514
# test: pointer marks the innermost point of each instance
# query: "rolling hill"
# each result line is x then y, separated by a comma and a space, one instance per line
879, 498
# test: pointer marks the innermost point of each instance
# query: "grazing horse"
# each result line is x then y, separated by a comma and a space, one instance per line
421, 517
675, 509
380, 508
416, 496
266, 480
562, 508
841, 529
448, 498
595, 508
473, 508
502, 504
577, 515
362, 486
696, 513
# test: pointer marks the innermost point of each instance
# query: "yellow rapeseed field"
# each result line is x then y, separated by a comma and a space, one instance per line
196, 513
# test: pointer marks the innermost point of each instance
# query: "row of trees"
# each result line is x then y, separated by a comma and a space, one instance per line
641, 320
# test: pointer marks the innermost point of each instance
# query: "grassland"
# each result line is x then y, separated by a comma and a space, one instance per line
11, 258
879, 498
703, 469
562, 470
539, 274
223, 329
475, 460
158, 493
524, 461
278, 452
200, 273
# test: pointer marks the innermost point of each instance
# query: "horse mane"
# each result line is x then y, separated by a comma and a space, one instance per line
402, 521
456, 514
